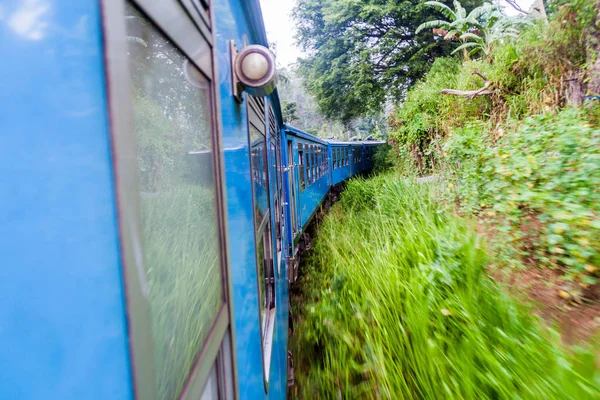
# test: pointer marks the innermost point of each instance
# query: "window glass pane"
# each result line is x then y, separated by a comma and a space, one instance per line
211, 390
262, 288
172, 125
301, 168
259, 174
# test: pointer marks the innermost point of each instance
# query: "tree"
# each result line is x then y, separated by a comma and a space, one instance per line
299, 110
290, 109
364, 52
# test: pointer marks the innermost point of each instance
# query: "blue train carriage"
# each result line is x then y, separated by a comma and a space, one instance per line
310, 175
144, 226
341, 156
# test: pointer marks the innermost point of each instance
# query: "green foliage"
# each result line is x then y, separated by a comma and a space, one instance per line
465, 151
526, 74
486, 154
550, 168
477, 31
542, 174
362, 52
290, 110
398, 306
299, 110
383, 159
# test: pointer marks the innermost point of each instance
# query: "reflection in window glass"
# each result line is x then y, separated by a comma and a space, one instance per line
259, 169
211, 390
171, 111
301, 168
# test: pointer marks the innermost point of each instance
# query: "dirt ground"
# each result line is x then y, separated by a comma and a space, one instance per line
577, 317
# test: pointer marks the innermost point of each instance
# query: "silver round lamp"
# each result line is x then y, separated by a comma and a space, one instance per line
256, 70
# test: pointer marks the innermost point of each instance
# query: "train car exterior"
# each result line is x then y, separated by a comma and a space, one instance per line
151, 203
310, 171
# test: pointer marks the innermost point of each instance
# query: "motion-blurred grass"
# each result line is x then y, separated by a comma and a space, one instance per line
181, 255
396, 303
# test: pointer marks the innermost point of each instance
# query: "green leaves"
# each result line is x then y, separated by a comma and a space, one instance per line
487, 19
363, 53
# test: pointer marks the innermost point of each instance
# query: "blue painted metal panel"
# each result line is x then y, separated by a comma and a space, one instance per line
231, 24
62, 314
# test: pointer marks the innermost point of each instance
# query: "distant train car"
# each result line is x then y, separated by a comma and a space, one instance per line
152, 201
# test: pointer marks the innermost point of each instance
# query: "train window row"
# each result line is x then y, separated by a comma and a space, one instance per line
340, 157
313, 163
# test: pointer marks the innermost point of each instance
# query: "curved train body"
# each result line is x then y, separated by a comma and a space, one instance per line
150, 215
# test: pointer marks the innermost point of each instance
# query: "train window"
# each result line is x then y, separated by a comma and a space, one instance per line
320, 163
308, 168
321, 166
257, 130
316, 163
211, 389
279, 198
172, 108
333, 158
309, 164
301, 165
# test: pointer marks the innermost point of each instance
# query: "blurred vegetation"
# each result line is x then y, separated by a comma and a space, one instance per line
524, 158
396, 303
396, 300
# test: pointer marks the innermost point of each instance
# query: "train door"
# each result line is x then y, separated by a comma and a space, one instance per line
292, 185
170, 185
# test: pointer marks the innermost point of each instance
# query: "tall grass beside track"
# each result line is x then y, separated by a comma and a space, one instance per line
396, 303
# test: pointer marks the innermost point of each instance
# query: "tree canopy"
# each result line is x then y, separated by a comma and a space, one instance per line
362, 52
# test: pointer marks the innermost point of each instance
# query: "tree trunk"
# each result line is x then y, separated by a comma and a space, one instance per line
574, 90
593, 56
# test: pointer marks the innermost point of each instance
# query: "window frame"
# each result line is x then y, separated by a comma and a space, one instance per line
218, 349
301, 164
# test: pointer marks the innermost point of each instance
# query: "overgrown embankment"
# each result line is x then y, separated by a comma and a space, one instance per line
524, 155
396, 303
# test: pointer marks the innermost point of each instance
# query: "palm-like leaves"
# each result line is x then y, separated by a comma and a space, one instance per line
487, 19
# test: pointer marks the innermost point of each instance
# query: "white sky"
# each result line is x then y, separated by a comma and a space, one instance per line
281, 28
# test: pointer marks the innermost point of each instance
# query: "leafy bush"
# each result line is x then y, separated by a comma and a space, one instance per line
399, 306
543, 173
550, 169
465, 152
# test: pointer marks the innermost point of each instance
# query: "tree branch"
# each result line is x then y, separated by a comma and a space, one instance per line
513, 4
470, 94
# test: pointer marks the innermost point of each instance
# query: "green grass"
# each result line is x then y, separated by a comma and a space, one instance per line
397, 304
181, 256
